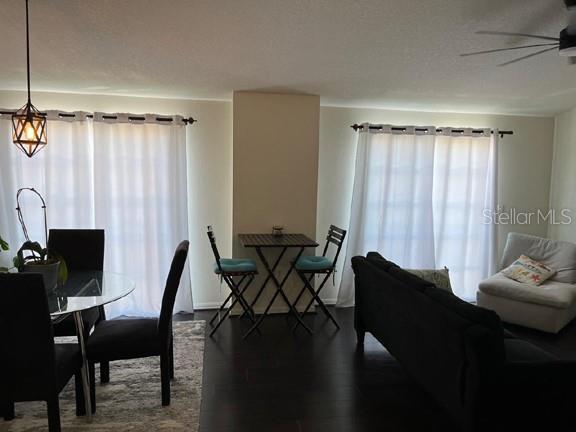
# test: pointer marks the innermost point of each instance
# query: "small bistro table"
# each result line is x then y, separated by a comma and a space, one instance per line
84, 290
285, 242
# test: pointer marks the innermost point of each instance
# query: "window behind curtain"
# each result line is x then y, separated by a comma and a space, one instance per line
419, 198
129, 179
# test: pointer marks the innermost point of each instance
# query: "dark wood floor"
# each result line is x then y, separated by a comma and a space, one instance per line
284, 382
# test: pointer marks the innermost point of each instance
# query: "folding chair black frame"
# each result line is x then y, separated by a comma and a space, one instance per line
236, 289
336, 237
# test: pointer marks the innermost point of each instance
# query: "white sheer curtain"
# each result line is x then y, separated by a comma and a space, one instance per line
129, 179
140, 197
419, 198
63, 174
465, 184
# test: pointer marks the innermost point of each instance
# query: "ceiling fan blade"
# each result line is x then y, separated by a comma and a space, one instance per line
571, 29
507, 49
528, 56
495, 33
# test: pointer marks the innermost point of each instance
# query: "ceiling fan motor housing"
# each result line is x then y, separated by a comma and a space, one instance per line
567, 43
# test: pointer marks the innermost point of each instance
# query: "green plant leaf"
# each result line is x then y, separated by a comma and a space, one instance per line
18, 262
35, 248
63, 269
4, 269
3, 244
63, 272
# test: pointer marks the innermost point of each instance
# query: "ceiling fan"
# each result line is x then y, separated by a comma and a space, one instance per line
565, 44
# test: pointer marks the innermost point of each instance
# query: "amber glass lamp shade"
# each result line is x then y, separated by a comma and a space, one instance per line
29, 129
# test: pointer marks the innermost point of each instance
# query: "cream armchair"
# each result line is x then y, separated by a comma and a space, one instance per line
548, 307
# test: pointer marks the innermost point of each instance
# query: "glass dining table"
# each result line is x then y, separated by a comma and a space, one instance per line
84, 290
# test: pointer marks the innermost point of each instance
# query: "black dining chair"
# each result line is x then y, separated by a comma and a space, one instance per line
307, 267
32, 366
244, 269
124, 339
83, 250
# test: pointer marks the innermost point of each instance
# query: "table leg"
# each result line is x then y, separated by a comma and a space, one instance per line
279, 285
253, 303
84, 372
264, 314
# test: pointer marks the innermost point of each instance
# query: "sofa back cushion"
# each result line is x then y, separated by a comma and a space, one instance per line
559, 255
491, 348
410, 279
430, 340
379, 261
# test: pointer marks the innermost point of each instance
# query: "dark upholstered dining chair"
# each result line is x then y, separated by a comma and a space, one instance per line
124, 339
82, 249
32, 367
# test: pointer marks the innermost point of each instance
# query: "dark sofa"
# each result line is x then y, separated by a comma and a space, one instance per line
485, 378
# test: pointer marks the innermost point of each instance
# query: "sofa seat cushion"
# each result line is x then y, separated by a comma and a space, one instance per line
550, 293
522, 352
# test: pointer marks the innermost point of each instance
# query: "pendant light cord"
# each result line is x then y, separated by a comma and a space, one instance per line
28, 52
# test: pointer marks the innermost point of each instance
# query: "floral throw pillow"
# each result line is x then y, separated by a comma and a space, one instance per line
528, 271
440, 278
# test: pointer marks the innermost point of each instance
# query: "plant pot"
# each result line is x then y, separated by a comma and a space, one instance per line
49, 273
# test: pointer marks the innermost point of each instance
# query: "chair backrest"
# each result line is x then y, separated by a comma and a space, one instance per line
560, 255
171, 289
336, 237
27, 364
82, 249
212, 239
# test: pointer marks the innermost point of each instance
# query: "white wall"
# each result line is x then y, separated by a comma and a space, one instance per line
525, 162
210, 167
275, 176
563, 187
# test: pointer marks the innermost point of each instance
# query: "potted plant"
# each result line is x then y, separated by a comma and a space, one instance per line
32, 257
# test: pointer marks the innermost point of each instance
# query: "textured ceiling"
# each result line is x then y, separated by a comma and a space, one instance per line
399, 54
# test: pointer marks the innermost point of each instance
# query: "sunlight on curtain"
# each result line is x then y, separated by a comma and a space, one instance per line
69, 192
418, 199
129, 179
140, 197
464, 185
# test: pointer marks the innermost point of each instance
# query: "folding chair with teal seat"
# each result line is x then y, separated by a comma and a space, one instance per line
309, 266
243, 269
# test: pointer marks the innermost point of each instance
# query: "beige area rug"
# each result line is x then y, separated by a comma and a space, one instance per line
131, 401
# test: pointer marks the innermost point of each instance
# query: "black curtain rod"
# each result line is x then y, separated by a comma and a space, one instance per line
166, 119
358, 127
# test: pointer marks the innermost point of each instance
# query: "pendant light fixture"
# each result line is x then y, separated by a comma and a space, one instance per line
29, 124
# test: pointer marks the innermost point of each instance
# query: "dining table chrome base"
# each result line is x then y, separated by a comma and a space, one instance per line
84, 371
